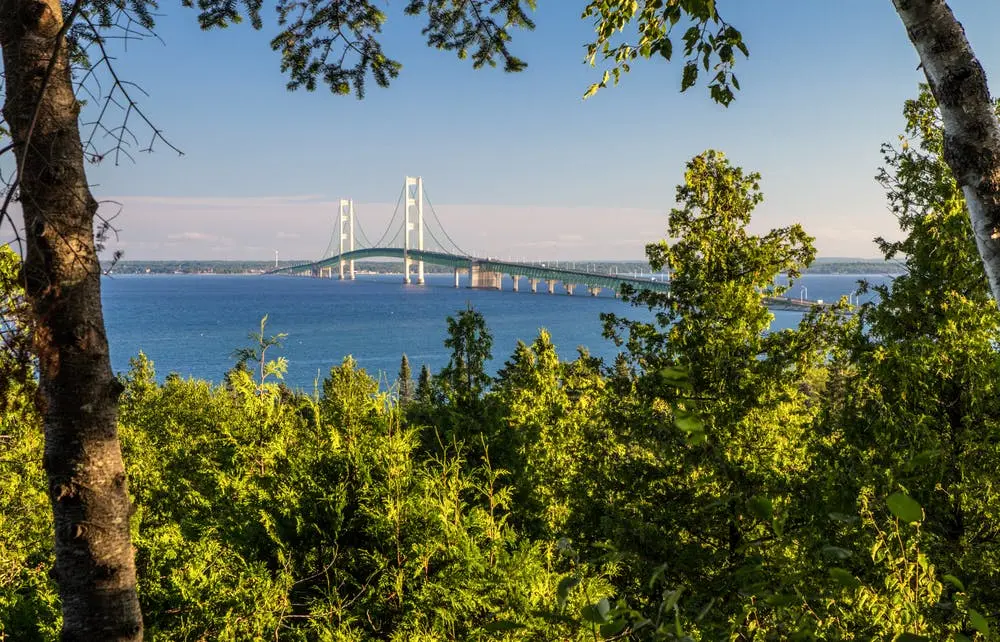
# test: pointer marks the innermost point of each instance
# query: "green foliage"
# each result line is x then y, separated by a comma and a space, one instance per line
405, 382
336, 42
915, 423
15, 332
29, 606
471, 344
709, 43
719, 480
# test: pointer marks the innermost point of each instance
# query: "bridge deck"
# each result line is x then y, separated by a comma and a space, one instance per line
531, 271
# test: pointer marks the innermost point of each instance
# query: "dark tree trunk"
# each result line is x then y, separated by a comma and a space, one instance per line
971, 129
94, 568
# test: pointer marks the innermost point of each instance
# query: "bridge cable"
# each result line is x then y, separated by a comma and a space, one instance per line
329, 247
392, 220
360, 232
440, 245
433, 213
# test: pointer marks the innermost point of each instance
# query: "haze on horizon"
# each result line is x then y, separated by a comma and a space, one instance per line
516, 164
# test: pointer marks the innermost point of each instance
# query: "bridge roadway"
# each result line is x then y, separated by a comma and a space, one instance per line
535, 273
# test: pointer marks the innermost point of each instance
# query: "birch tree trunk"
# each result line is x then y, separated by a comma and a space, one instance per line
78, 395
971, 129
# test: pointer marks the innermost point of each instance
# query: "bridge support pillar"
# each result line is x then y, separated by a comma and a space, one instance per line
413, 190
456, 277
534, 285
346, 218
569, 288
552, 286
406, 270
515, 278
595, 290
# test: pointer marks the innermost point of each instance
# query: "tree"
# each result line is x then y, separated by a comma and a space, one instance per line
78, 395
720, 432
921, 368
425, 385
257, 352
471, 347
957, 82
77, 392
405, 381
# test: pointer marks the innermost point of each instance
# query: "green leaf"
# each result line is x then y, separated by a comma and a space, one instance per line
688, 421
614, 627
666, 48
910, 637
503, 625
596, 613
674, 376
905, 507
844, 578
782, 600
836, 552
979, 623
954, 581
761, 508
603, 607
672, 599
690, 75
565, 585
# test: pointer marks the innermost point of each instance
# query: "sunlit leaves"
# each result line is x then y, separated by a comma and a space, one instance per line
709, 43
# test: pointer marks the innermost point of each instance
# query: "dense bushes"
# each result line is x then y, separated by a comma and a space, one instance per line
717, 481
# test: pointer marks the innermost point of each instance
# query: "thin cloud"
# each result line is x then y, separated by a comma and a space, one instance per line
192, 236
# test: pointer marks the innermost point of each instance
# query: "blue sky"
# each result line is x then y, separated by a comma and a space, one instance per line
517, 164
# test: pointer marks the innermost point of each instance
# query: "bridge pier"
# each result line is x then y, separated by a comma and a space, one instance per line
552, 286
595, 290
534, 285
456, 277
341, 270
406, 270
569, 288
515, 278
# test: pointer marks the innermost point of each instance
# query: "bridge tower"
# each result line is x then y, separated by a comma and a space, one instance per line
413, 193
346, 233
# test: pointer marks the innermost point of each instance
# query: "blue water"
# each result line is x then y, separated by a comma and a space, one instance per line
191, 324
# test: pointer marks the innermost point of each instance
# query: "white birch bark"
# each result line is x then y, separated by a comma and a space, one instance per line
971, 128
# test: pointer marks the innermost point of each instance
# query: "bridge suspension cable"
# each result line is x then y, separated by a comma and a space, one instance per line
333, 244
460, 251
361, 233
391, 221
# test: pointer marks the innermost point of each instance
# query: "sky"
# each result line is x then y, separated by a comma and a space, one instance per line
515, 165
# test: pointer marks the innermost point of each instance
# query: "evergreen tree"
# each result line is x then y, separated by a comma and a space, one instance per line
471, 347
425, 385
405, 381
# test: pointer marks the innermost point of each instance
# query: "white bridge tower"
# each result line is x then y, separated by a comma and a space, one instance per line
346, 234
413, 194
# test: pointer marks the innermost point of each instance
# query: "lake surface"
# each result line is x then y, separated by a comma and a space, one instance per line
190, 324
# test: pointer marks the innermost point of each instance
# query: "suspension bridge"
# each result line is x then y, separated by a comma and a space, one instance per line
408, 232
